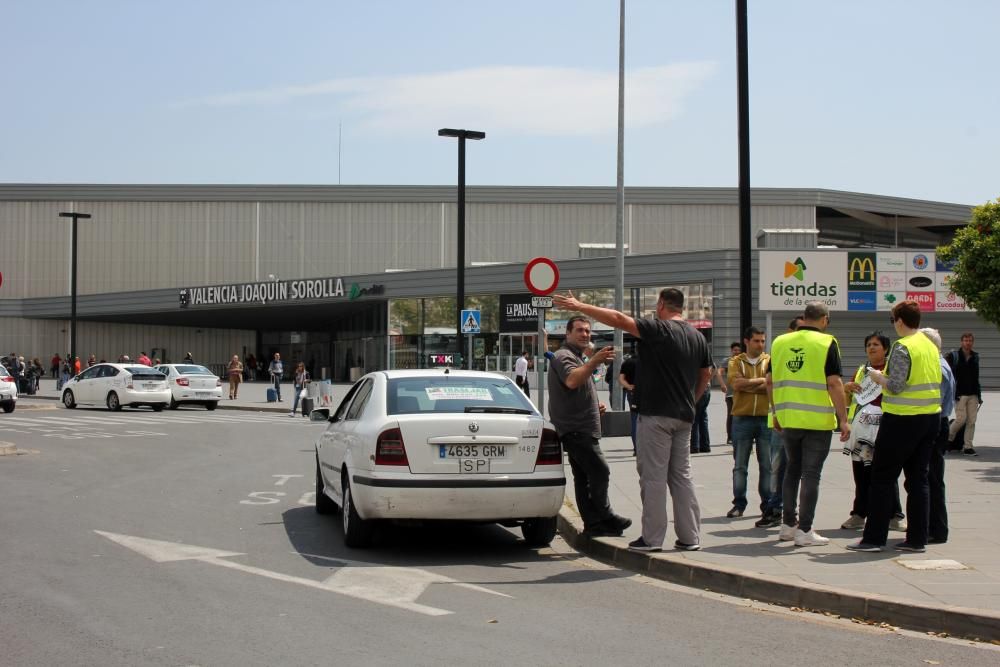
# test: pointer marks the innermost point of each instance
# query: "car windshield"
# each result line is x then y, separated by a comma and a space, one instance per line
144, 372
418, 395
193, 370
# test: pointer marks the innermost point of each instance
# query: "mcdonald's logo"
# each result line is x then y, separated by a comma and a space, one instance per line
861, 271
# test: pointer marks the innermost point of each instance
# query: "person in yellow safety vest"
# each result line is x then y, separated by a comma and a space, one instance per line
911, 407
806, 395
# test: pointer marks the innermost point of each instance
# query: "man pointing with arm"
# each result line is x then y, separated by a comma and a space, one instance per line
675, 370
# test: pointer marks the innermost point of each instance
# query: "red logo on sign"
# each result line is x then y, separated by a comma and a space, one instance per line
924, 299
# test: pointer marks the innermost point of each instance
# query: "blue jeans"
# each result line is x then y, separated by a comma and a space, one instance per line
295, 401
746, 432
699, 429
277, 385
779, 463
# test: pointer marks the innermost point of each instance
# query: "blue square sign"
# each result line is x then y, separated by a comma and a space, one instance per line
470, 321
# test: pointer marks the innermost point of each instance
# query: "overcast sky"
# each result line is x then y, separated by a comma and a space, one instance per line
892, 97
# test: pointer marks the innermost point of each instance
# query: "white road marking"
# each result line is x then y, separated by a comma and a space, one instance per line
264, 498
392, 586
282, 479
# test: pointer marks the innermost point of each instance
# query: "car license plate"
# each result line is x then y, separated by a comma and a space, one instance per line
472, 451
473, 465
150, 385
202, 394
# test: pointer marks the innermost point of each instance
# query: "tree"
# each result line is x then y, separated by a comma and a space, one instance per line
975, 253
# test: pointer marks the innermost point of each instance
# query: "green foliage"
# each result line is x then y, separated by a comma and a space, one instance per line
975, 251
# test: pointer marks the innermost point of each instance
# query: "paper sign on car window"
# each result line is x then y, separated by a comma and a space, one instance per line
459, 393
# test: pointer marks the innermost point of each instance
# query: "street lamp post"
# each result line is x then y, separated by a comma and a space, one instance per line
72, 288
461, 135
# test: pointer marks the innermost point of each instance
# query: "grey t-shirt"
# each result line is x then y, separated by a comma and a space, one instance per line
572, 410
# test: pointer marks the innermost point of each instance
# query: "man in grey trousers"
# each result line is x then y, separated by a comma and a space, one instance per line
675, 371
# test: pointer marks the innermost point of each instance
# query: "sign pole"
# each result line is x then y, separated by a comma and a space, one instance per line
469, 364
770, 331
540, 362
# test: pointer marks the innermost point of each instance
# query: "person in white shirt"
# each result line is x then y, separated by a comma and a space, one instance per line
521, 373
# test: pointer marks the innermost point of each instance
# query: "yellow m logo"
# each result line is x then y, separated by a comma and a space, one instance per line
859, 267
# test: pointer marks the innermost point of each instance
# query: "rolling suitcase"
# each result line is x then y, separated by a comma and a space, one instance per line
307, 406
272, 395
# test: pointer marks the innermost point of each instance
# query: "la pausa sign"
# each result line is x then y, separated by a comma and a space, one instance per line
275, 291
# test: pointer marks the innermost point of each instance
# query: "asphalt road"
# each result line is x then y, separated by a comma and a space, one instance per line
189, 538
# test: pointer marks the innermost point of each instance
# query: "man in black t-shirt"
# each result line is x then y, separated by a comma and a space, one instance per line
675, 370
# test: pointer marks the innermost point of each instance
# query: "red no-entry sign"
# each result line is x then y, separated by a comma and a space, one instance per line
541, 276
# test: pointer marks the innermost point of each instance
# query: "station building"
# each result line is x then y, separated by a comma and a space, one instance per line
355, 278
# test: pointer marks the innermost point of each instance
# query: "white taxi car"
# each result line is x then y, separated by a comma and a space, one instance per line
438, 444
8, 390
116, 385
191, 383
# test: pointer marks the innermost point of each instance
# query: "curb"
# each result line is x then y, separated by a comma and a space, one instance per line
978, 624
221, 406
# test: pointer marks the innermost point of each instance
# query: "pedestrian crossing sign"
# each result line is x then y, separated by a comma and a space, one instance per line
470, 321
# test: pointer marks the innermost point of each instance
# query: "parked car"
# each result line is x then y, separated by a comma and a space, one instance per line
191, 383
438, 444
117, 385
8, 390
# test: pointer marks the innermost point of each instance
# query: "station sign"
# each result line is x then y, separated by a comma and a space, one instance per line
303, 289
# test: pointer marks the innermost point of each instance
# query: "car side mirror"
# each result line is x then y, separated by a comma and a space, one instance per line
319, 415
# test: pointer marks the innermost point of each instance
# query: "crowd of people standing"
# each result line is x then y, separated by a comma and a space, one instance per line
785, 406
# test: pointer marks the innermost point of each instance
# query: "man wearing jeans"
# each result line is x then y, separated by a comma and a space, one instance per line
576, 414
806, 394
748, 379
675, 370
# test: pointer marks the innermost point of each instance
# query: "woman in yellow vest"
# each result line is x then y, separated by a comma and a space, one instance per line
911, 403
865, 414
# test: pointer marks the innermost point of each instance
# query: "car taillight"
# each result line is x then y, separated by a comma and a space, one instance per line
183, 382
550, 451
389, 449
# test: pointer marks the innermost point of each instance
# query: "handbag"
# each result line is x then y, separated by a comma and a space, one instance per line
303, 393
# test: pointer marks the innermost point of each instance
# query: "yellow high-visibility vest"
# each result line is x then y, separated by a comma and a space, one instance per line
922, 393
798, 377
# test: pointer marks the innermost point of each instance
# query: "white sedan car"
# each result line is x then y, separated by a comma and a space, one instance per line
438, 444
191, 383
115, 385
8, 390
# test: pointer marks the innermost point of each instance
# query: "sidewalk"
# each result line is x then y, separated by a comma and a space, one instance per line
739, 559
956, 591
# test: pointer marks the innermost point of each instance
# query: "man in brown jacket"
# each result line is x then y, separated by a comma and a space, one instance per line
748, 377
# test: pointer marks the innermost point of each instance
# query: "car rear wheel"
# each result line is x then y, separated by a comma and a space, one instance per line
323, 503
9, 406
211, 405
539, 532
114, 404
357, 531
158, 407
68, 399
174, 404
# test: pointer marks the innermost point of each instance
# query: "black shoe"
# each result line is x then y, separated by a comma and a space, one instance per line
600, 530
909, 548
937, 540
640, 545
682, 546
734, 513
969, 451
768, 521
704, 451
615, 522
694, 451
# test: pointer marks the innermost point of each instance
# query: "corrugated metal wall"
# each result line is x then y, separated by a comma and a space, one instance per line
43, 338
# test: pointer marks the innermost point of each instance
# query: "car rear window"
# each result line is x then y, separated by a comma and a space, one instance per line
144, 373
193, 370
439, 394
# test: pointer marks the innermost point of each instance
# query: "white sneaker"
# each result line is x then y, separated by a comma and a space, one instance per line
854, 522
810, 539
897, 524
787, 533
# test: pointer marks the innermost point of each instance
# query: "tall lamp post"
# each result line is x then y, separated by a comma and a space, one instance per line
743, 135
461, 135
72, 288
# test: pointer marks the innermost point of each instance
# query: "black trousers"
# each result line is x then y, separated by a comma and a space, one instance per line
904, 445
862, 483
938, 524
591, 476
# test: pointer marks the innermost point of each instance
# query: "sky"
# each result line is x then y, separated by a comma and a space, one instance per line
889, 97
